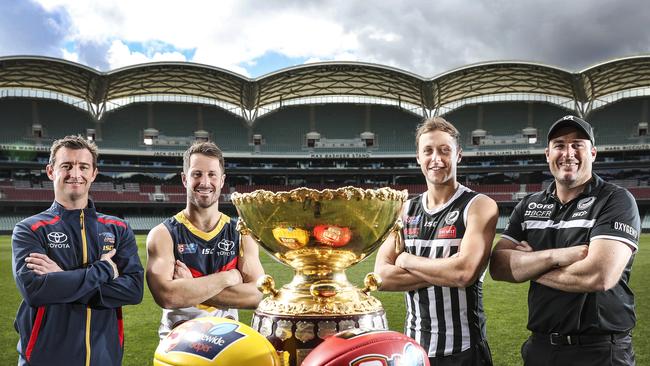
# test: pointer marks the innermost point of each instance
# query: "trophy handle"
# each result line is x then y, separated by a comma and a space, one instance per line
372, 281
266, 285
399, 240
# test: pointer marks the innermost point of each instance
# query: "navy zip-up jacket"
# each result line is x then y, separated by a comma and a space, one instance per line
74, 317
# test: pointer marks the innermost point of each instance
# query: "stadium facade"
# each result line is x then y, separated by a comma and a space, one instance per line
321, 125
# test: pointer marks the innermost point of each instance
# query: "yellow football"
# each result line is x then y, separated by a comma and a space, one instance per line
214, 341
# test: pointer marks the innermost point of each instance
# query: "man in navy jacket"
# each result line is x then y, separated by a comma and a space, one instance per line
75, 268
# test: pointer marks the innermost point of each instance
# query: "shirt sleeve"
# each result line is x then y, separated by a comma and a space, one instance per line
127, 289
619, 220
514, 229
56, 287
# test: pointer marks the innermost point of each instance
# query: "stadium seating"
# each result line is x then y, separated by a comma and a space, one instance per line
283, 131
617, 123
122, 128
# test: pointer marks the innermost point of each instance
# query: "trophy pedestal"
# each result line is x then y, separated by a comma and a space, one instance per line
298, 335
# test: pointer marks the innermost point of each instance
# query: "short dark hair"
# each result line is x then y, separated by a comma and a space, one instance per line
436, 124
204, 148
75, 142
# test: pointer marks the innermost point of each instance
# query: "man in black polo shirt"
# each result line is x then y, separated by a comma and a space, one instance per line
575, 242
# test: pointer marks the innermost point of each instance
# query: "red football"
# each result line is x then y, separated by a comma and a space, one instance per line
357, 347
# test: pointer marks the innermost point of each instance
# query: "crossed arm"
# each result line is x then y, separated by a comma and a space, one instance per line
173, 286
406, 272
116, 279
580, 268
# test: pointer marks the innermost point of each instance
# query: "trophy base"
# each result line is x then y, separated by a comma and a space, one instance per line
298, 335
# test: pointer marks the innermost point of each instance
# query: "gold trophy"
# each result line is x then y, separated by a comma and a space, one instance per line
319, 234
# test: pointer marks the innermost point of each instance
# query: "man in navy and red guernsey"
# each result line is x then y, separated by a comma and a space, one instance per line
75, 269
198, 264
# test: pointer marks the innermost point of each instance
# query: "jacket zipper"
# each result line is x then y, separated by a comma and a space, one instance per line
85, 263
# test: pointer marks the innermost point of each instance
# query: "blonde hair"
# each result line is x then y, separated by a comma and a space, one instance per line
436, 124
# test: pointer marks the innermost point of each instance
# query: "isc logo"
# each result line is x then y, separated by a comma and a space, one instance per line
579, 214
207, 251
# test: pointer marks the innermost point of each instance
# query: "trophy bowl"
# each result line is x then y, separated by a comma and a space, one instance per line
319, 234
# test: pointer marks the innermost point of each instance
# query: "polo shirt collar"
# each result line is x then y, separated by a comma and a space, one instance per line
594, 183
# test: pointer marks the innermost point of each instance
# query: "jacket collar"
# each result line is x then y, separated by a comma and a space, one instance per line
58, 209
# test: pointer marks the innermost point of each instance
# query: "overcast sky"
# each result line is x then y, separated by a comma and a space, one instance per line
255, 38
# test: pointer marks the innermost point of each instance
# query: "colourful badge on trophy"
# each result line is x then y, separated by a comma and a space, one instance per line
291, 237
332, 235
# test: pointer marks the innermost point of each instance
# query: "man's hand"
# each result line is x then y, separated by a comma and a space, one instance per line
107, 257
401, 259
182, 271
235, 276
41, 264
565, 256
523, 246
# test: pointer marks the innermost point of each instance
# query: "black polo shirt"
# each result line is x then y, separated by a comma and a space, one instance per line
603, 211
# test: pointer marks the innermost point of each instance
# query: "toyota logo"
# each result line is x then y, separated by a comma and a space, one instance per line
57, 237
226, 245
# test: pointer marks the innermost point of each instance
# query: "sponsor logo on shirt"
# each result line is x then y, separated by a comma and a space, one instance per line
57, 239
540, 214
412, 232
452, 217
226, 245
430, 223
447, 232
540, 206
628, 229
413, 220
187, 248
584, 203
578, 214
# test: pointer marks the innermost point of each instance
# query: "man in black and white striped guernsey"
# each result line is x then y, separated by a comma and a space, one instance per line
575, 243
448, 232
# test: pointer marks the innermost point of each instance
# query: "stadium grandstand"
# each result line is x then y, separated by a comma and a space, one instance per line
323, 125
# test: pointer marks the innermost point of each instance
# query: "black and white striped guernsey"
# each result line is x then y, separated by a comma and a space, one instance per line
444, 320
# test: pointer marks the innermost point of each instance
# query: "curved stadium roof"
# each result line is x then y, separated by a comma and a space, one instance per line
98, 92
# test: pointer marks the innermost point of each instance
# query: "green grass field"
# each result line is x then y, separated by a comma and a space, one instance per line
505, 305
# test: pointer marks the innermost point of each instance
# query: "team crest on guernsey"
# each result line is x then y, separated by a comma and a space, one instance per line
107, 237
452, 217
586, 202
189, 248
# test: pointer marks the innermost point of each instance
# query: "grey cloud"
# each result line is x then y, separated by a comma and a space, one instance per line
94, 54
27, 29
437, 36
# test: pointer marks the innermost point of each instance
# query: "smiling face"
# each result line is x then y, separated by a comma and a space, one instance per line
72, 174
203, 180
438, 156
570, 157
